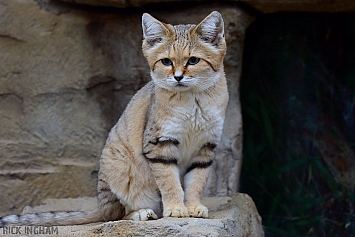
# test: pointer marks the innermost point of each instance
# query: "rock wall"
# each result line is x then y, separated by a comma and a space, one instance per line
66, 74
265, 6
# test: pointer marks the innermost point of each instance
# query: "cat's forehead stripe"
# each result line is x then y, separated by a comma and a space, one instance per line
180, 48
182, 34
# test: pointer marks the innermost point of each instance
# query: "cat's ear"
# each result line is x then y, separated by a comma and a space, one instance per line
154, 31
211, 29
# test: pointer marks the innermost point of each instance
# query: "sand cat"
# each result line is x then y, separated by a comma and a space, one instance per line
157, 157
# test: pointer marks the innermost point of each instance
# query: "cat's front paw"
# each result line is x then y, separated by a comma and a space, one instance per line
175, 211
198, 211
141, 215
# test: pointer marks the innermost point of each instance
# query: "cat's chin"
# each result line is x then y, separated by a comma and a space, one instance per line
179, 88
176, 87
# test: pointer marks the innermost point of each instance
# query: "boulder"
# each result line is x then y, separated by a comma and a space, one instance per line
228, 216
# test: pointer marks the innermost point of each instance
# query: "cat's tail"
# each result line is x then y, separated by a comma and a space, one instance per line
52, 218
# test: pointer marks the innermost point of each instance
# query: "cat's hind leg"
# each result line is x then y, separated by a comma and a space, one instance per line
140, 207
141, 215
144, 203
133, 186
109, 205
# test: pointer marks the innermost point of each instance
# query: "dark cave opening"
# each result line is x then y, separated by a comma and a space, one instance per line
298, 106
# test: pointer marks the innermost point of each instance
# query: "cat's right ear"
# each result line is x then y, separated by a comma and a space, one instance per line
154, 31
211, 29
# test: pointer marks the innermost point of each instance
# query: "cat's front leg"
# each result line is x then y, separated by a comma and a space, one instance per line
162, 154
195, 180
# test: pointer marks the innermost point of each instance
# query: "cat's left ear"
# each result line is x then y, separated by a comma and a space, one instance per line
211, 29
154, 31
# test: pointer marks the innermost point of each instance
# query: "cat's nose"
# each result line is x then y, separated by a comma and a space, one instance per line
178, 78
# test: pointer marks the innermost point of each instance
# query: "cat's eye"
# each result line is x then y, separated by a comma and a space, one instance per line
193, 61
166, 62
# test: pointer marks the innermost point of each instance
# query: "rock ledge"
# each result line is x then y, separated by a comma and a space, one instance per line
229, 216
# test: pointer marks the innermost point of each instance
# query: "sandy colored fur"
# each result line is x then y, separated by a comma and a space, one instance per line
170, 125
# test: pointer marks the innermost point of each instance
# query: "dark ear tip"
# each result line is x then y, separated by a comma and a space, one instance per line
146, 16
216, 14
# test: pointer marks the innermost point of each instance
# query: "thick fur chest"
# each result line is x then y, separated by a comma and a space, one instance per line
193, 123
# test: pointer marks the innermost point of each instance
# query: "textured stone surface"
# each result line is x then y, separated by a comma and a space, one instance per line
265, 6
228, 216
66, 74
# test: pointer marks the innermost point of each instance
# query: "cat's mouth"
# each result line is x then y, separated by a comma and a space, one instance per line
180, 85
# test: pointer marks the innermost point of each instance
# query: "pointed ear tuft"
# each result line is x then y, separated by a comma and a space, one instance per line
211, 29
154, 31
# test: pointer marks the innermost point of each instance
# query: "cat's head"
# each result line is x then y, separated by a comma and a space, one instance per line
185, 57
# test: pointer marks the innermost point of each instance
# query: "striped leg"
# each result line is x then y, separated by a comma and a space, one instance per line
195, 180
161, 155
